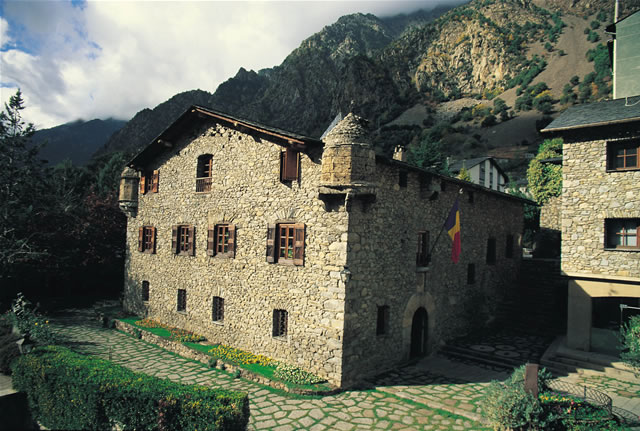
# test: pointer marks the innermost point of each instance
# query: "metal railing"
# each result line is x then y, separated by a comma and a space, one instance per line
592, 396
203, 184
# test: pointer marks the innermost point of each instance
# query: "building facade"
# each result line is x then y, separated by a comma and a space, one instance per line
484, 171
315, 253
600, 219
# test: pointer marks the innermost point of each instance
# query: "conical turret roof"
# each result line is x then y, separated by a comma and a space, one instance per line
352, 129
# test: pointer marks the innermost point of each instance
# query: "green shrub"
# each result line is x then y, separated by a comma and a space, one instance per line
29, 322
545, 179
291, 374
630, 337
67, 390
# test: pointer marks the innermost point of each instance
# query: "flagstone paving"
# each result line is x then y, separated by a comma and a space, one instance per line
271, 409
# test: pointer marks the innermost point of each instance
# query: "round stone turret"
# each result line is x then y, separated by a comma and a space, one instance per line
348, 160
128, 195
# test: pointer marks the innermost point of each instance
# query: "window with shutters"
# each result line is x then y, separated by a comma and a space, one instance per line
382, 325
217, 313
149, 182
145, 291
280, 323
491, 251
285, 243
183, 239
623, 155
182, 300
422, 255
289, 165
221, 240
622, 233
147, 239
508, 252
204, 173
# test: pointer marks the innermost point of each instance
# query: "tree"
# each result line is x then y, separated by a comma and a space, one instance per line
21, 182
428, 154
464, 174
545, 179
630, 336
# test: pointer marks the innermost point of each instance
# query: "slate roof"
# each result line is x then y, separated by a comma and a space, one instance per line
470, 163
597, 114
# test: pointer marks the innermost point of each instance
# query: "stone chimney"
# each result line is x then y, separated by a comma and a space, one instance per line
400, 154
348, 160
128, 195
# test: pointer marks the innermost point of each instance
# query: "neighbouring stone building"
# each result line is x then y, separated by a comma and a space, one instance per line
484, 171
600, 218
317, 253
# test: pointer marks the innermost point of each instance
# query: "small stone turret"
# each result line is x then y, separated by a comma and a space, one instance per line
347, 160
400, 154
128, 195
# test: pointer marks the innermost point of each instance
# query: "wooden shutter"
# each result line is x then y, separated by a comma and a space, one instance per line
211, 251
192, 246
141, 238
298, 244
154, 185
271, 238
289, 165
232, 240
153, 240
143, 182
174, 239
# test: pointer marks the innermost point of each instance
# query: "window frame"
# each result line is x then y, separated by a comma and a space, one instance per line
275, 246
178, 235
145, 291
289, 165
149, 182
621, 231
612, 157
382, 320
423, 257
280, 327
147, 239
491, 251
204, 173
213, 240
181, 303
217, 309
508, 251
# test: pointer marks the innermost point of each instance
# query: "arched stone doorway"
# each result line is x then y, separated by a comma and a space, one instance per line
419, 333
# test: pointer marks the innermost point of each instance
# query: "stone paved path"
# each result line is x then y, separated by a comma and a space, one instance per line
270, 409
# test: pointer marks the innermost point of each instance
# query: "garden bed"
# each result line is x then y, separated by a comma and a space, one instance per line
199, 352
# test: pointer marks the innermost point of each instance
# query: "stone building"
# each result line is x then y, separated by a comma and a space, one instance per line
600, 218
484, 171
317, 253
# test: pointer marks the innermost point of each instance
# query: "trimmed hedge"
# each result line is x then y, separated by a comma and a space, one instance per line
67, 390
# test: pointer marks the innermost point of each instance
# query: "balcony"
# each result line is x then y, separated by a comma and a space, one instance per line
203, 185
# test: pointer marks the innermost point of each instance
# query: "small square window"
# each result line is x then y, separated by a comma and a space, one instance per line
149, 182
382, 324
280, 323
623, 155
422, 255
622, 233
221, 240
145, 291
218, 309
285, 243
182, 300
491, 251
183, 239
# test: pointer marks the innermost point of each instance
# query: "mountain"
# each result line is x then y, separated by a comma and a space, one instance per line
433, 75
76, 141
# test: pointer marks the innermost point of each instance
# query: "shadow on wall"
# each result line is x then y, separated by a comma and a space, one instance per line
547, 244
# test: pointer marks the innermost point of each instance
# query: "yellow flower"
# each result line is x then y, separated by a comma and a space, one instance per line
36, 323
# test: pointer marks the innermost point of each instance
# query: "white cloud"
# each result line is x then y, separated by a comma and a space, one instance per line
115, 58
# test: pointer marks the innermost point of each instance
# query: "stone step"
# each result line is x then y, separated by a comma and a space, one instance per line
587, 367
465, 353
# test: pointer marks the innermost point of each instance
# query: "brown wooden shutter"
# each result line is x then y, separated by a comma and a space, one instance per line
141, 238
298, 244
143, 182
192, 246
153, 240
210, 241
232, 240
271, 237
174, 239
154, 185
291, 164
283, 155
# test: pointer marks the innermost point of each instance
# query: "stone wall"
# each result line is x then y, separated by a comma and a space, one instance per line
382, 258
551, 214
590, 195
246, 192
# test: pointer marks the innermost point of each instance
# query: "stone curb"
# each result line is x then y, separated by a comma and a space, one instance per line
187, 352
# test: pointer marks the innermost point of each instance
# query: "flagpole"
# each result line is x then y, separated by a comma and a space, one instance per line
440, 233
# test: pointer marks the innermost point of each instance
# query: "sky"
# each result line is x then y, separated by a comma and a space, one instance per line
110, 59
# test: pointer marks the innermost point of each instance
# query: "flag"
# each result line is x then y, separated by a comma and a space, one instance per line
453, 229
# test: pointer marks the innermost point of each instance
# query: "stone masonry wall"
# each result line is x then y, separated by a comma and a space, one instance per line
590, 195
551, 214
247, 192
382, 258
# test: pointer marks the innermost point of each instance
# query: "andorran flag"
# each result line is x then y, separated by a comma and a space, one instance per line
453, 229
